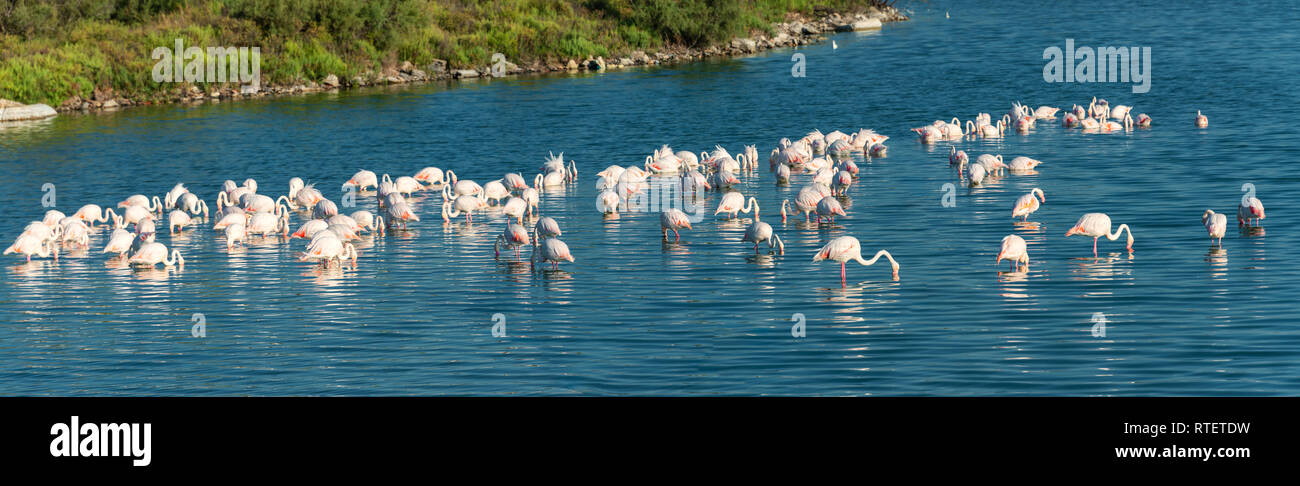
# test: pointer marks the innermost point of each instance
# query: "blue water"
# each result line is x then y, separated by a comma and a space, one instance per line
637, 316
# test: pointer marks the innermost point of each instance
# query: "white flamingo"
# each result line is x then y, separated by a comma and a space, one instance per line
120, 242
1014, 249
845, 248
1215, 224
758, 232
151, 254
1027, 204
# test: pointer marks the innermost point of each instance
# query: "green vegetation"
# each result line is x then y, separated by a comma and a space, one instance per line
52, 50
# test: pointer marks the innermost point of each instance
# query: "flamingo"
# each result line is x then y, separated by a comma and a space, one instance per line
432, 176
1013, 249
329, 248
151, 254
295, 184
229, 219
977, 173
92, 213
957, 157
178, 220
309, 229
1045, 112
1202, 121
1142, 120
805, 202
845, 248
324, 208
758, 232
1022, 164
466, 188
674, 219
192, 204
841, 182
1097, 225
495, 191
1250, 211
1027, 204
993, 164
1111, 126
402, 213
364, 220
465, 204
306, 197
733, 203
1215, 224
153, 205
547, 228
39, 230
407, 185
828, 207
1119, 112
120, 242
235, 232
782, 174
514, 182
607, 203
550, 250
76, 232
515, 208
29, 245
514, 236
363, 179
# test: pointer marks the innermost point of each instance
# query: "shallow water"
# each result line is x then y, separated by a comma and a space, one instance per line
637, 316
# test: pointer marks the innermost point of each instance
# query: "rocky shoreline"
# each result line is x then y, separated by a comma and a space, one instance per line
797, 31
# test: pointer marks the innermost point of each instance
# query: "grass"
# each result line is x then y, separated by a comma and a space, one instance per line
52, 50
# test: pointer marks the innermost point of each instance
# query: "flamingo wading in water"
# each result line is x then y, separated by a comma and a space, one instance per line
1216, 224
1097, 225
847, 248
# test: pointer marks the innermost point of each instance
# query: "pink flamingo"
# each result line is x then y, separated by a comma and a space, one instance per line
674, 219
1097, 225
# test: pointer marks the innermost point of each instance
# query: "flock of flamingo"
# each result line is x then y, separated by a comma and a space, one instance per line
243, 212
1098, 117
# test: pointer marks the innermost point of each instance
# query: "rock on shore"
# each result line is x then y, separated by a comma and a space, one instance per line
15, 111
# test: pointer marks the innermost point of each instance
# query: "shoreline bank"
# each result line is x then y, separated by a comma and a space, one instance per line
796, 30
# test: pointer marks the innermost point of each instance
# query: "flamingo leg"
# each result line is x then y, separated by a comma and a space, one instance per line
843, 279
1094, 247
677, 236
